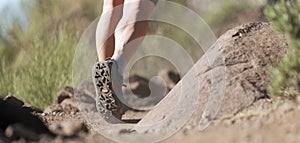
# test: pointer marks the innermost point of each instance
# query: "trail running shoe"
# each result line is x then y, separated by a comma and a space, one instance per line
108, 84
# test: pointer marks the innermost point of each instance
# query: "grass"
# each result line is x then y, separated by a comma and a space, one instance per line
6, 82
36, 62
45, 71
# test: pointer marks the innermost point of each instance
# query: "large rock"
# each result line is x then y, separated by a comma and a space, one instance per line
25, 106
246, 53
18, 122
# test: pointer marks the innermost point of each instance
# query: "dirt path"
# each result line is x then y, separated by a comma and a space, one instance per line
264, 122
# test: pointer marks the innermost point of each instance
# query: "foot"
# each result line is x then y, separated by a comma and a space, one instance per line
108, 84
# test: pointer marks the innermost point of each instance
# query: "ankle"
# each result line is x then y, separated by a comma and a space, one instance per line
121, 62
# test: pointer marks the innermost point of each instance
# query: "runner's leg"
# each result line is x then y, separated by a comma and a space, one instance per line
105, 39
130, 30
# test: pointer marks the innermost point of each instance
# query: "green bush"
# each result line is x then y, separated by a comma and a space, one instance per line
284, 14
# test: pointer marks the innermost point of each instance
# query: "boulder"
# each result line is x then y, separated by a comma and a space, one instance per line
25, 106
231, 76
17, 122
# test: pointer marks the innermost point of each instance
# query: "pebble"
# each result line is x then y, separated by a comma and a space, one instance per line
16, 131
298, 99
298, 108
71, 128
285, 108
9, 132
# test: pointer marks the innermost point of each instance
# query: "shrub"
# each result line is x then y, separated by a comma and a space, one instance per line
284, 14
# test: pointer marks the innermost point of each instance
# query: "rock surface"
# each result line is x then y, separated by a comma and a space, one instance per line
246, 53
19, 122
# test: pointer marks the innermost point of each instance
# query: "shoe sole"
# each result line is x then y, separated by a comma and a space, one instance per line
106, 102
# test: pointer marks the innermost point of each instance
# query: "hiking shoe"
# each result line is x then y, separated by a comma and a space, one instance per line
108, 84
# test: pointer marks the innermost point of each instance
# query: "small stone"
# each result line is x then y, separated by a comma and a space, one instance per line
17, 131
298, 99
71, 128
9, 132
65, 93
286, 107
298, 108
127, 131
69, 102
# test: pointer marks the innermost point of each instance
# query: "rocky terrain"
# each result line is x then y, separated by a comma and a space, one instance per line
240, 110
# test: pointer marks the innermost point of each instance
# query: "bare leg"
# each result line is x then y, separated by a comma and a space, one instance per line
122, 45
105, 39
131, 30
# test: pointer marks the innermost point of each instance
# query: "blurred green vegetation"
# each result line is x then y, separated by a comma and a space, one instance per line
226, 13
36, 61
182, 2
285, 15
